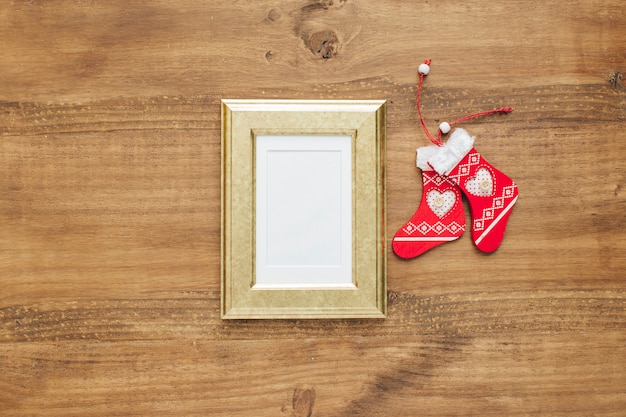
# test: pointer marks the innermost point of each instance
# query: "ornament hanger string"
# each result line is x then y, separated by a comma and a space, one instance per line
444, 127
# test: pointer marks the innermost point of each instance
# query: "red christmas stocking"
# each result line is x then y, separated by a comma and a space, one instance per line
490, 193
439, 217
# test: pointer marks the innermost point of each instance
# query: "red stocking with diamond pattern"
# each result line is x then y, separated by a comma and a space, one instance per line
439, 217
490, 193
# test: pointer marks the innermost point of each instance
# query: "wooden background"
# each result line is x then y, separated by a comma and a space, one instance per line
110, 210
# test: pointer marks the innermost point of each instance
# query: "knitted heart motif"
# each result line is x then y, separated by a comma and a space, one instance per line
482, 183
440, 203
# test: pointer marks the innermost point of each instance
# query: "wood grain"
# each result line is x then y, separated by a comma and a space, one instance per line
109, 209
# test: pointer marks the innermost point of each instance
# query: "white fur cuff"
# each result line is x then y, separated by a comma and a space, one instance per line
423, 155
450, 154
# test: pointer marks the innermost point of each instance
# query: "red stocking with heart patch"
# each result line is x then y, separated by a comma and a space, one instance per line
490, 193
439, 217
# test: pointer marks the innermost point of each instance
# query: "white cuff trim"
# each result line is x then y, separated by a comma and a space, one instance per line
450, 154
423, 155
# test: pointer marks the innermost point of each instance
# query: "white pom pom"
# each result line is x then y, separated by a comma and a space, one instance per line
423, 69
444, 127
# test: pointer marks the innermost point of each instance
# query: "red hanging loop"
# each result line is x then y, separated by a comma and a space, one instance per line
423, 71
422, 74
475, 115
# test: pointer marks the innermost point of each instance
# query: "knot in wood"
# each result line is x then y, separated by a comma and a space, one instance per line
303, 401
324, 44
274, 15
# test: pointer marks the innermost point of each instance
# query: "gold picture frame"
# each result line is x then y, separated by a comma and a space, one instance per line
303, 209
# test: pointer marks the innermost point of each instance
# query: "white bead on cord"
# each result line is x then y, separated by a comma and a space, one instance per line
444, 127
423, 69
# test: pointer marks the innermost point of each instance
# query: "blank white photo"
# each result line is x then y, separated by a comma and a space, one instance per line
303, 211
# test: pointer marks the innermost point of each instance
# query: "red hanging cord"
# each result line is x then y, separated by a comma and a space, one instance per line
423, 71
473, 116
437, 141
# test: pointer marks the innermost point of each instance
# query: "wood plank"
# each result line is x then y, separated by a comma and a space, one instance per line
515, 375
164, 316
